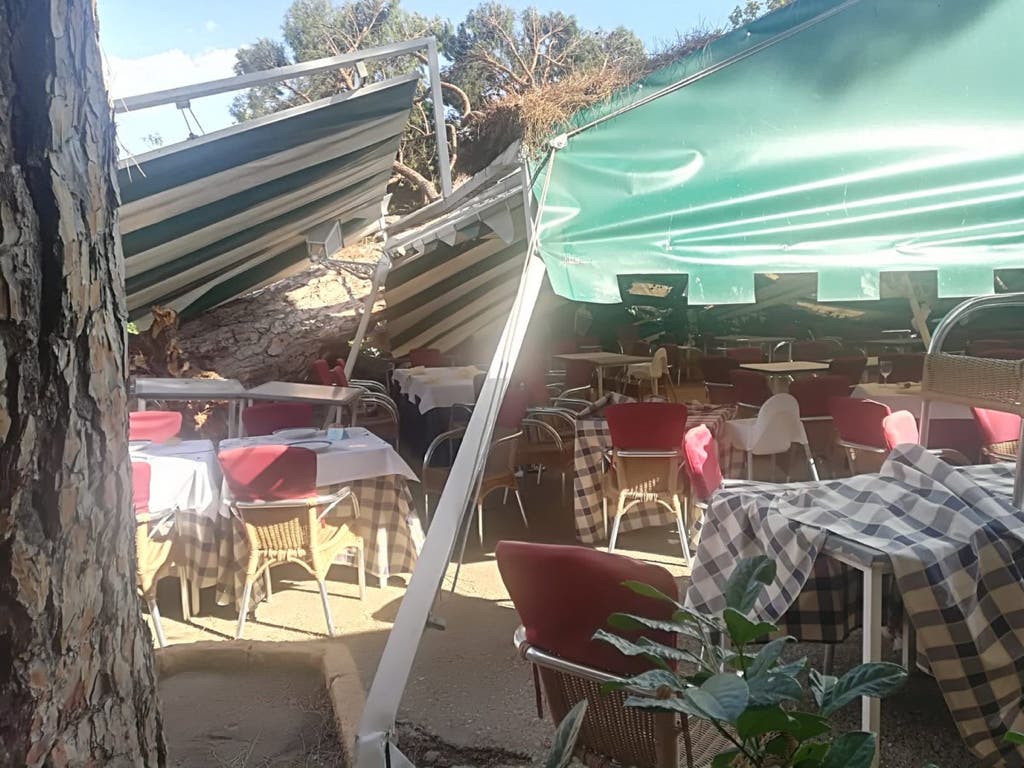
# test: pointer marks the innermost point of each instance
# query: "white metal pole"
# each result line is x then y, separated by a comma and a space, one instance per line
379, 276
444, 163
378, 719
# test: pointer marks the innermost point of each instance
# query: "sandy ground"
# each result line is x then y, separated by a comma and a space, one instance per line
468, 687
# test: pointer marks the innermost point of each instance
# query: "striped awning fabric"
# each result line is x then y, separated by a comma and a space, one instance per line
455, 276
209, 219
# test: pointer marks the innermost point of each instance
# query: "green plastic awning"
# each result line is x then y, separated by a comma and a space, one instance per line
842, 138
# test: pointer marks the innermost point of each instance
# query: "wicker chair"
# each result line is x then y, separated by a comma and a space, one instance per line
545, 583
1000, 434
647, 459
274, 496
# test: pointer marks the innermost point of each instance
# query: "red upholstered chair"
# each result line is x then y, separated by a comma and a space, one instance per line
746, 354
715, 370
579, 376
428, 357
320, 373
141, 475
546, 583
647, 457
900, 427
812, 394
750, 388
860, 432
158, 426
702, 463
267, 418
852, 367
1000, 433
905, 367
274, 495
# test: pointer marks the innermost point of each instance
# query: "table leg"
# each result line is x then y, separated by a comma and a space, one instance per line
382, 556
600, 382
871, 708
140, 403
909, 644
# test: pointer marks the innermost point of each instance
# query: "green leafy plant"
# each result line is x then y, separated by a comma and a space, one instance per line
751, 695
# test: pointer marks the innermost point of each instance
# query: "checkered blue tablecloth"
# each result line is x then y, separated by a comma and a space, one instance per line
956, 545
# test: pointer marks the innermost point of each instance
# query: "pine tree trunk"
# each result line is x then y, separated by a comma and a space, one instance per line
77, 685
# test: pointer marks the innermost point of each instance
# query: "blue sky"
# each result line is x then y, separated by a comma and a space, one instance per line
153, 45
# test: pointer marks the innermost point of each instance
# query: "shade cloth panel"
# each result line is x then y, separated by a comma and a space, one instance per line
883, 137
208, 219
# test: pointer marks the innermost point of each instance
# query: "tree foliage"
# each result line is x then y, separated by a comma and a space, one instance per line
753, 9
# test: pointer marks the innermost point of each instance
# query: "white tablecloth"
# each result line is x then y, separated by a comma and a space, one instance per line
900, 398
437, 387
184, 476
361, 456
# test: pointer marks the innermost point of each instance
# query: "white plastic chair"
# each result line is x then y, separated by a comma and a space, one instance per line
652, 372
774, 431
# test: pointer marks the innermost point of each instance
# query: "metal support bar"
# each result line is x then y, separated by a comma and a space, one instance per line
871, 707
444, 163
379, 276
256, 79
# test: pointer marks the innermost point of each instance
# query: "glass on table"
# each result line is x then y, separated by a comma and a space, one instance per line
885, 368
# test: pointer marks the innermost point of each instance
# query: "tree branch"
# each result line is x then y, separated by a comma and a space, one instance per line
416, 179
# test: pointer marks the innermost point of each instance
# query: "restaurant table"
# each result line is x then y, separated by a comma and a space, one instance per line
779, 372
602, 360
430, 388
756, 341
950, 537
191, 390
593, 440
388, 524
185, 477
315, 394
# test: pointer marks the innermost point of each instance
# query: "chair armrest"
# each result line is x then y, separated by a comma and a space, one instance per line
543, 426
467, 407
452, 434
648, 454
951, 456
370, 384
861, 447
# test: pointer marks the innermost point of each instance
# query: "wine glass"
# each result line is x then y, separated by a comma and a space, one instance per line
885, 368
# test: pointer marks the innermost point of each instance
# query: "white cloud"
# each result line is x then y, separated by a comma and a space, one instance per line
169, 69
210, 25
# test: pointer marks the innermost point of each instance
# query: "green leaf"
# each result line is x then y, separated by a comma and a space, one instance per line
792, 668
724, 760
772, 688
628, 648
875, 679
628, 622
648, 591
728, 692
821, 686
565, 737
851, 750
1013, 737
654, 679
684, 616
758, 721
742, 630
780, 746
668, 651
810, 754
747, 581
767, 656
804, 725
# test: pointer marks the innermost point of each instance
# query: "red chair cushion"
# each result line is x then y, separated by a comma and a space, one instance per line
750, 387
564, 594
427, 356
996, 426
702, 463
141, 476
900, 427
859, 421
265, 418
321, 371
269, 472
157, 426
338, 377
647, 426
813, 393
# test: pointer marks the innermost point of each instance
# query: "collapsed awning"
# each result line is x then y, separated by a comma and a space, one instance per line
211, 218
841, 137
457, 263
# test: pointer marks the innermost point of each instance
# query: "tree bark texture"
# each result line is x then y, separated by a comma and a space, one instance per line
274, 334
77, 685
